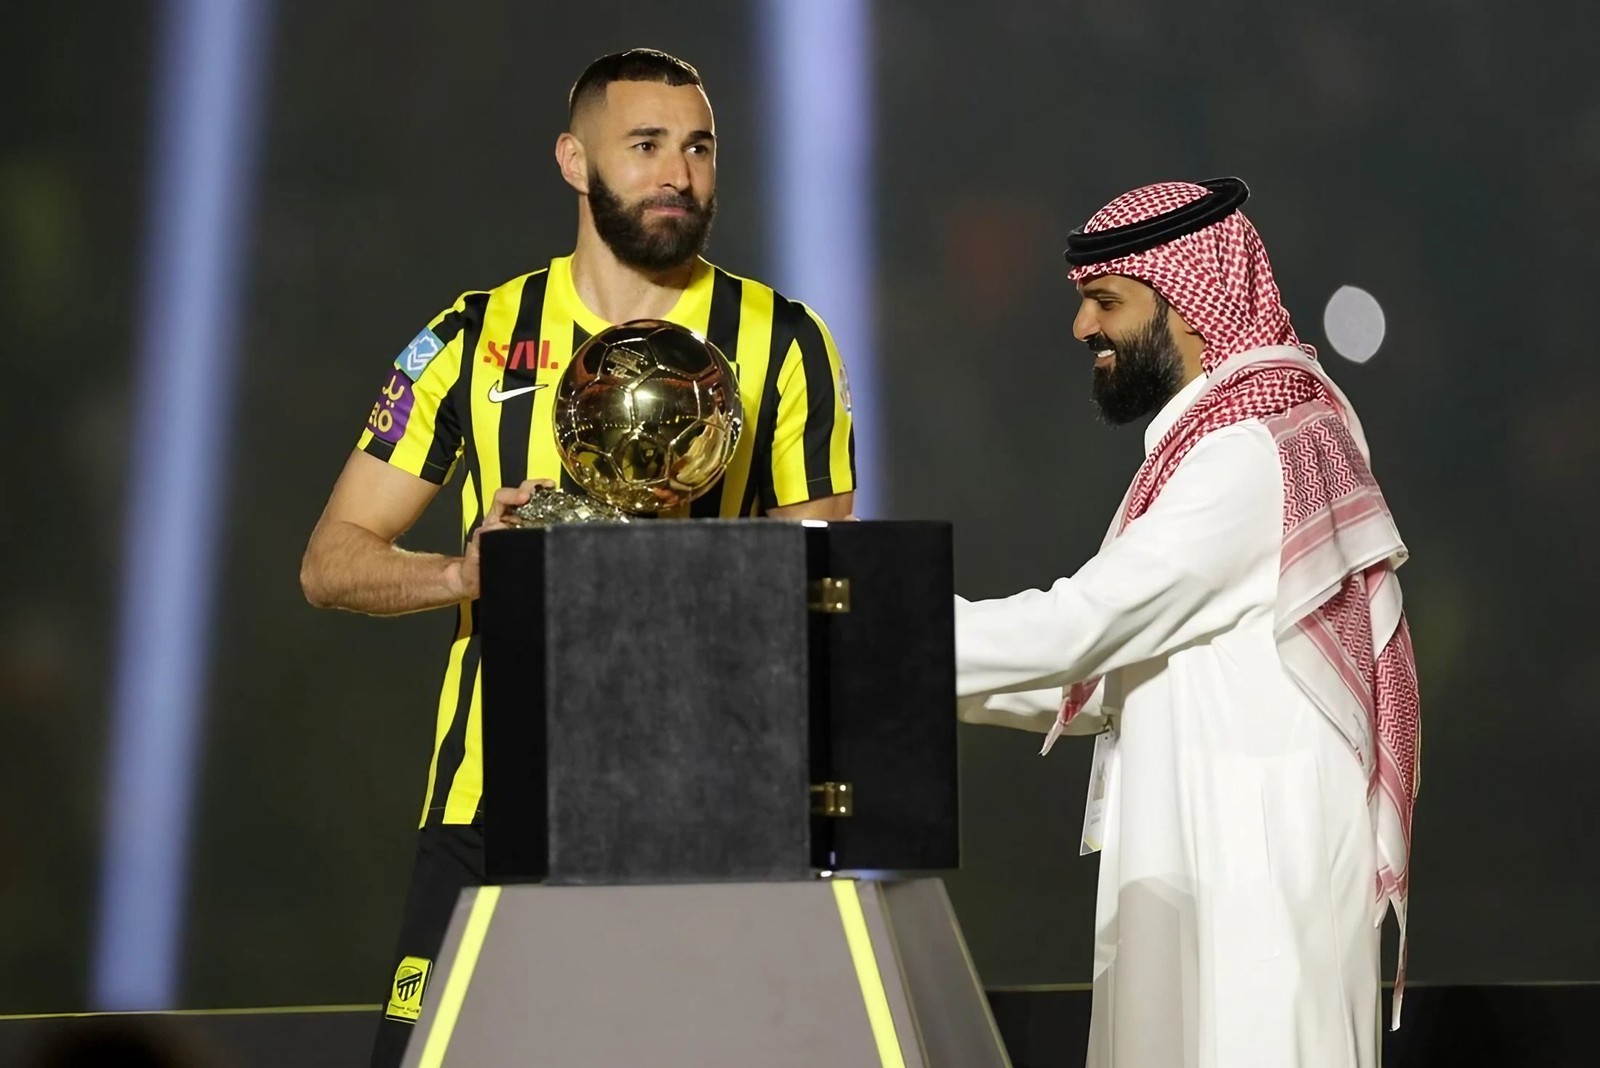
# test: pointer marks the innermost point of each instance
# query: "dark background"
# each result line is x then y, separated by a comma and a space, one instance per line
1442, 156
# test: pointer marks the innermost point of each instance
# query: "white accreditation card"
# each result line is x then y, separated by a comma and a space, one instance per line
1094, 810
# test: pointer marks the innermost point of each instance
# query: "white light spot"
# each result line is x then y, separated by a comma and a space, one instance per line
1354, 323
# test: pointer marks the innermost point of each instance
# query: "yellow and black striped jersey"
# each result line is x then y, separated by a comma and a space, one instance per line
474, 391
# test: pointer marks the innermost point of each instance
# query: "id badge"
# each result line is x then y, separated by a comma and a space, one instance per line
1094, 811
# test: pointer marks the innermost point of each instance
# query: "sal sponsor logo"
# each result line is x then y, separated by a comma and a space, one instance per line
390, 414
410, 983
523, 356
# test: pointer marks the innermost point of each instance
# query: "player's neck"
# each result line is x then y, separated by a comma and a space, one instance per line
617, 292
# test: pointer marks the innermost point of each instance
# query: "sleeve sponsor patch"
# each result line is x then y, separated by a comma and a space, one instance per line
416, 356
393, 410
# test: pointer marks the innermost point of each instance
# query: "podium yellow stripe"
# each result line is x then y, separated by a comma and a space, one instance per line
867, 973
455, 988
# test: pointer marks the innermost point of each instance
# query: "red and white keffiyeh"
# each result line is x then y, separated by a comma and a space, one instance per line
1341, 628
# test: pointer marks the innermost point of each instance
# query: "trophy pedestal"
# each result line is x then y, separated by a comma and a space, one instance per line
683, 723
817, 972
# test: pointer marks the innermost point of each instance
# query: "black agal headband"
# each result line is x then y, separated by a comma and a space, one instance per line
1223, 199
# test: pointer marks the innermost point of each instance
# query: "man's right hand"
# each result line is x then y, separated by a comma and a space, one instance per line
352, 561
504, 501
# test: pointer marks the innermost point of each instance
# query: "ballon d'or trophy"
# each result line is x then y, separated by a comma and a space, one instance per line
647, 415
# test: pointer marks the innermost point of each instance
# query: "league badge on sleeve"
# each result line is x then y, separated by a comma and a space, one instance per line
417, 355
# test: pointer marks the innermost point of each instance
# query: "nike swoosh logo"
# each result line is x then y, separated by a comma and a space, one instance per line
496, 394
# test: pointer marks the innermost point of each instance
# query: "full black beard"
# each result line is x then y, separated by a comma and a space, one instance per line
669, 243
1147, 372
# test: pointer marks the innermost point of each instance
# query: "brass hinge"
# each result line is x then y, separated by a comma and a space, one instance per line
836, 799
829, 595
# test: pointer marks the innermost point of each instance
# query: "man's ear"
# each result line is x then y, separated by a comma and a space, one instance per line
1174, 319
573, 161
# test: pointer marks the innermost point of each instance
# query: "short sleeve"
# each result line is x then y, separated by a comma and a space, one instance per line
414, 425
813, 445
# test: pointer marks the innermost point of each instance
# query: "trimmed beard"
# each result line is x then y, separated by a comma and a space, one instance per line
667, 243
1147, 370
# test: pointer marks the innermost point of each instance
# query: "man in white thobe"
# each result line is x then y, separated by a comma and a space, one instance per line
1237, 648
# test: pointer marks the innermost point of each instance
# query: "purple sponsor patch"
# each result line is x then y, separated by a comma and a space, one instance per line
393, 410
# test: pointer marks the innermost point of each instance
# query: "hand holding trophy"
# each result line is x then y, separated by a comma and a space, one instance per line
647, 416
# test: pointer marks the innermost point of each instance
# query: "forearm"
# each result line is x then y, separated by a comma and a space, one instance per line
1036, 640
347, 566
1133, 602
1197, 562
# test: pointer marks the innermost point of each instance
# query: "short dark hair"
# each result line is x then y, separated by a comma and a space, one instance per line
634, 65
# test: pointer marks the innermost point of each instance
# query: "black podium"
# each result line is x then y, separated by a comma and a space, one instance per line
716, 756
717, 700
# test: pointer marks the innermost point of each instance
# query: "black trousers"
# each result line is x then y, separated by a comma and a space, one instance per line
449, 858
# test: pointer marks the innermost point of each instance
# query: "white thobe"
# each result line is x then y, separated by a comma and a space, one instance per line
1237, 922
